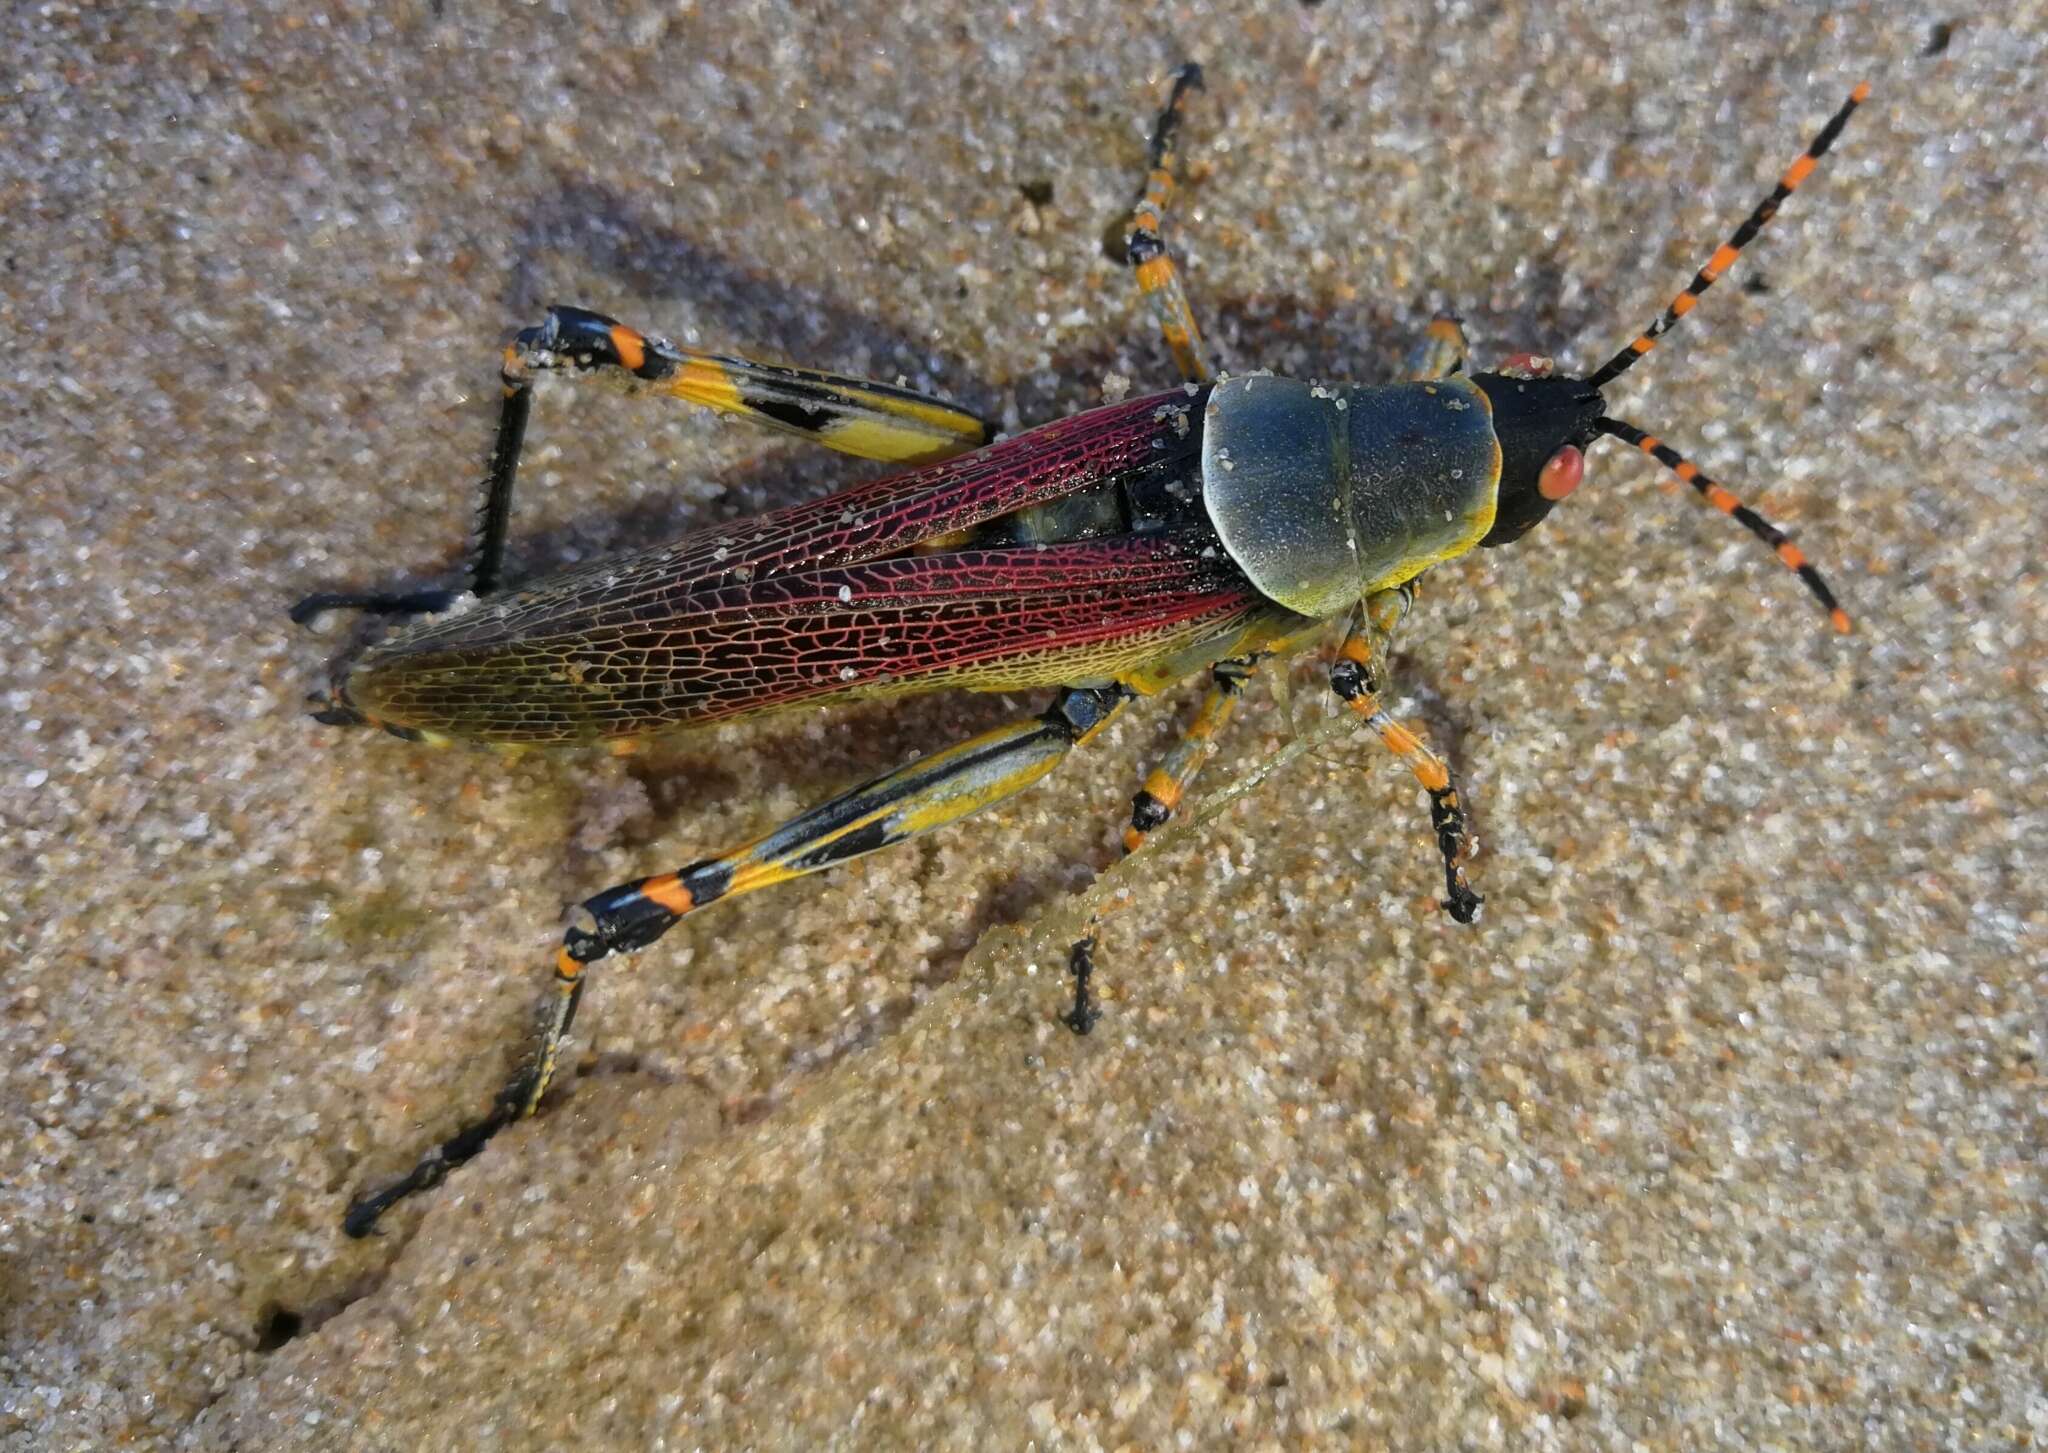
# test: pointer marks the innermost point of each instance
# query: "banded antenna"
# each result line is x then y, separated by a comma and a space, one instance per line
1727, 252
1724, 256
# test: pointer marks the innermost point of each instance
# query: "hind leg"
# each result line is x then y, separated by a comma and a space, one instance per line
927, 794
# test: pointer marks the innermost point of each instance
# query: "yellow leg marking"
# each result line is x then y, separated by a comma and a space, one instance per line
1095, 731
1159, 280
760, 875
948, 804
862, 418
700, 381
889, 442
1428, 767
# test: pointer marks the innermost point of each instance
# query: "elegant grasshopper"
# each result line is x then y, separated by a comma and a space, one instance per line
1108, 555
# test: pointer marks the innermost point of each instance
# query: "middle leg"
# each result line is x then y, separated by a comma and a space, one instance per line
1167, 784
1358, 677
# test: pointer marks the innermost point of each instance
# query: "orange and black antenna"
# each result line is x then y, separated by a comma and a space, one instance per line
1720, 498
1727, 252
1728, 504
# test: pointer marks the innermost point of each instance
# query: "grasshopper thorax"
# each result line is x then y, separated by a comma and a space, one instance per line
1325, 495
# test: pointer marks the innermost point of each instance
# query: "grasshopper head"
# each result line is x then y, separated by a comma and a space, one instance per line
1544, 425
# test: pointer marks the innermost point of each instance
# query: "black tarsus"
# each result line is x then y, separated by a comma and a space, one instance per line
361, 1217
1187, 76
1448, 819
512, 1102
1081, 964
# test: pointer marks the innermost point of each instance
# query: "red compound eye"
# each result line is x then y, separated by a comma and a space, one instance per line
1561, 474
